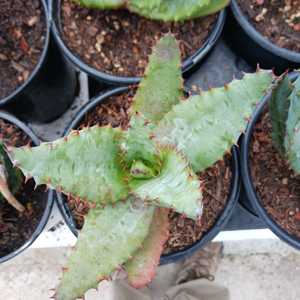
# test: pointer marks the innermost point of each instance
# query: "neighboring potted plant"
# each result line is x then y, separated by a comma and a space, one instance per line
269, 32
24, 211
131, 178
29, 79
111, 40
270, 160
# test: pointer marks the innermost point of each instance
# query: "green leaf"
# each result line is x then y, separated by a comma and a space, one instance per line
159, 91
162, 86
11, 181
213, 7
175, 187
165, 10
175, 10
292, 139
141, 269
137, 144
101, 4
109, 238
279, 107
14, 175
206, 126
85, 165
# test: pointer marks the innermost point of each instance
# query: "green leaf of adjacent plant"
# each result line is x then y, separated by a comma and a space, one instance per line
141, 269
213, 7
279, 107
165, 10
14, 175
85, 165
292, 139
175, 187
11, 180
109, 238
175, 10
206, 126
162, 87
101, 4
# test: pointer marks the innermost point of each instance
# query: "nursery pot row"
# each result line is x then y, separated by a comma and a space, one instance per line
282, 218
19, 231
222, 218
37, 83
254, 46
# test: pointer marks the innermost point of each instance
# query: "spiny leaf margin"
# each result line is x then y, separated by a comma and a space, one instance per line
108, 239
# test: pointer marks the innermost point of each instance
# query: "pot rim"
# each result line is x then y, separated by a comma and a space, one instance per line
247, 177
209, 235
50, 194
7, 99
188, 64
259, 38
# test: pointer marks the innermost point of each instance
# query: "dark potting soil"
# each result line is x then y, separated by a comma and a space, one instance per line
119, 43
16, 228
276, 184
277, 20
22, 39
216, 181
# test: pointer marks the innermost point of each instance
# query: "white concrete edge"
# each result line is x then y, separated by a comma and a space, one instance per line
240, 235
61, 236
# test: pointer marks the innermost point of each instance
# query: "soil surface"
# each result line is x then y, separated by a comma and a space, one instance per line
16, 228
119, 43
278, 20
216, 181
22, 39
276, 184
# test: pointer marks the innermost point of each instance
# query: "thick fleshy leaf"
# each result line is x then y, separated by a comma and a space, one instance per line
279, 107
141, 269
165, 10
213, 7
85, 164
137, 144
14, 175
206, 126
175, 187
176, 10
101, 4
292, 140
162, 86
11, 181
109, 238
159, 91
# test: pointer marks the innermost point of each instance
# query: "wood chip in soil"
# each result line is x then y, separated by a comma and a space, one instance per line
276, 184
119, 43
22, 39
277, 20
216, 181
16, 228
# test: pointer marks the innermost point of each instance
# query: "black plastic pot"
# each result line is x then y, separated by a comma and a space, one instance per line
221, 222
254, 47
49, 90
248, 183
188, 64
47, 196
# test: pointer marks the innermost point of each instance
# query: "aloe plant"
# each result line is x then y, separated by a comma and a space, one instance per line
10, 181
285, 117
131, 178
165, 10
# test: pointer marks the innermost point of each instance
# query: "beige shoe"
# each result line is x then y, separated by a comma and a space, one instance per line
202, 264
